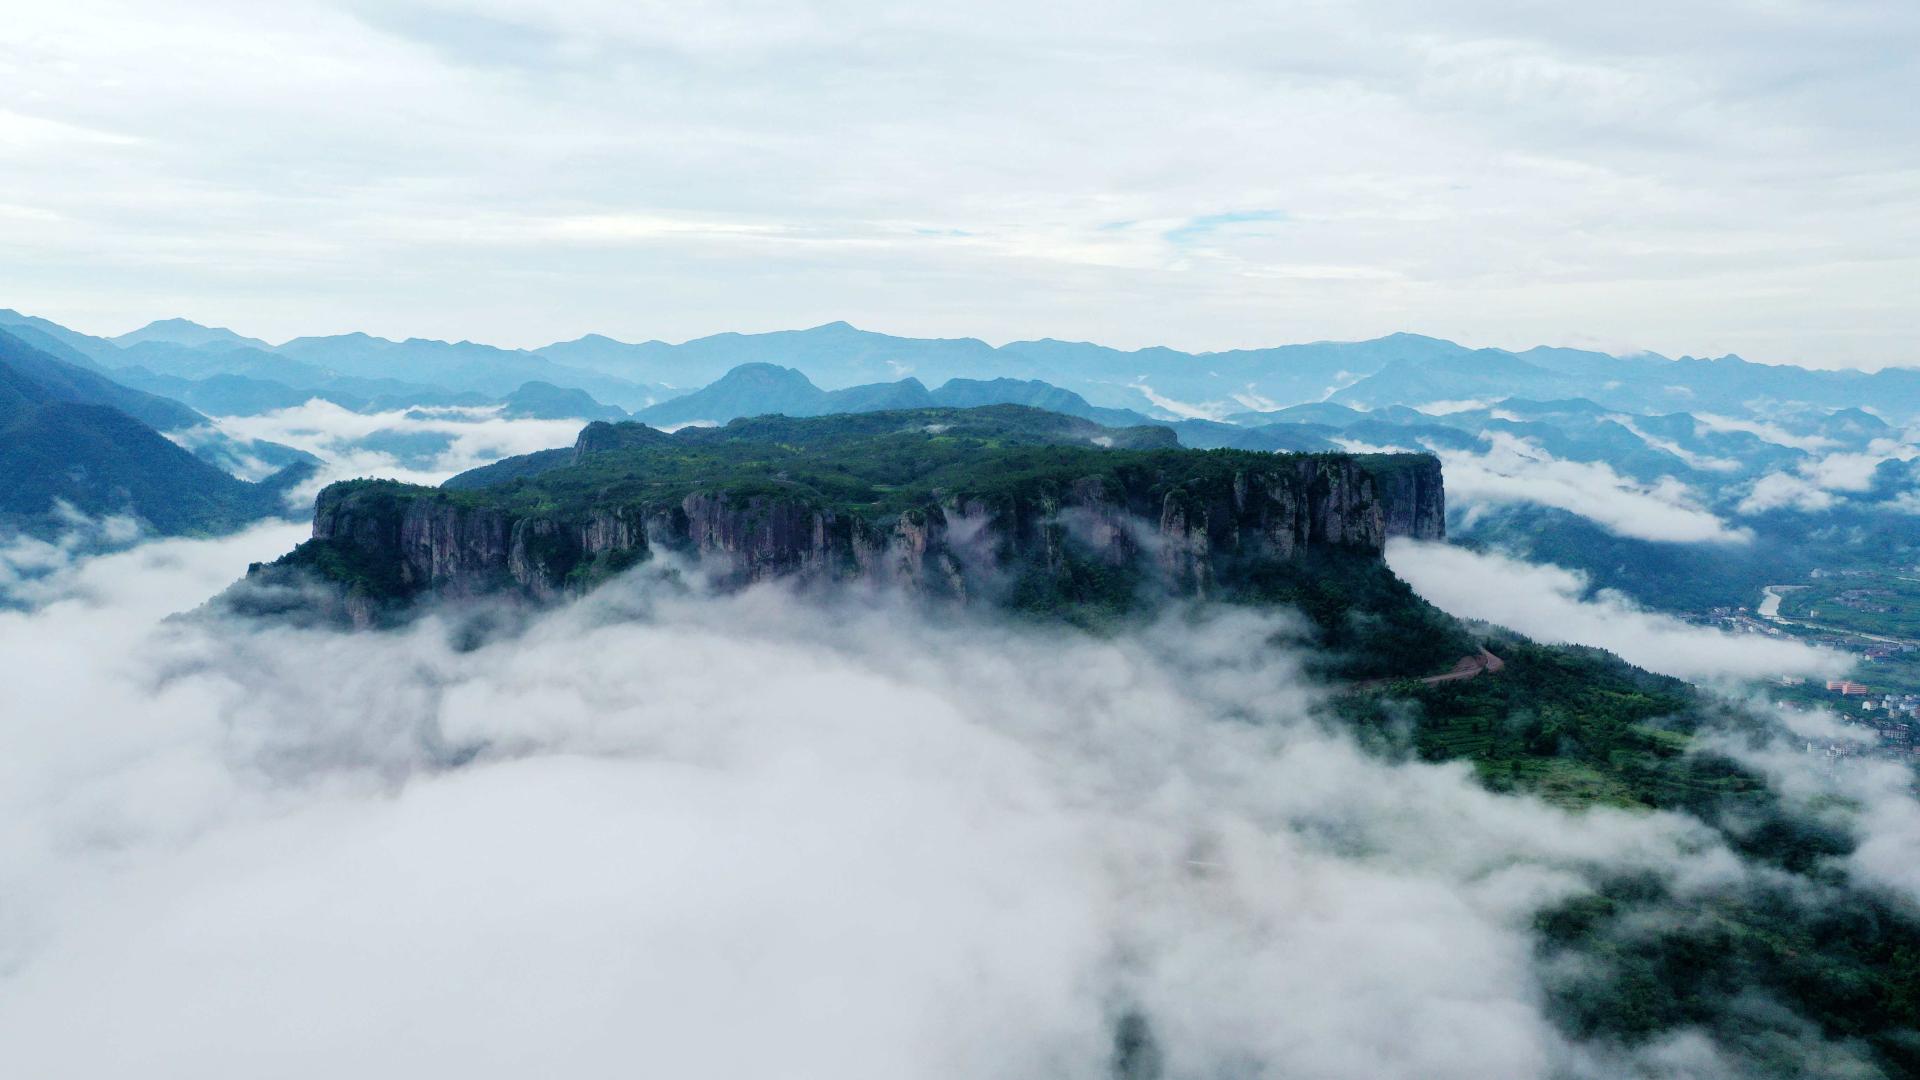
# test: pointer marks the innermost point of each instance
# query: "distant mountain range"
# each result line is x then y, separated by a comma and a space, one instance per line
1814, 465
1162, 383
70, 436
758, 389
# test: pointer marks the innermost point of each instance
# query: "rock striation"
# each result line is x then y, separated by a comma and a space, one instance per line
397, 541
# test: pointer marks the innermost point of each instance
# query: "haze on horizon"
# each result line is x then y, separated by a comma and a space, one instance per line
1728, 177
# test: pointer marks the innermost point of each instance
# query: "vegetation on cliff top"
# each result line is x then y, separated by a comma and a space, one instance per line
873, 466
864, 471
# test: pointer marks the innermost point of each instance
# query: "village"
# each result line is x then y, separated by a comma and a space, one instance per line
1894, 719
1880, 700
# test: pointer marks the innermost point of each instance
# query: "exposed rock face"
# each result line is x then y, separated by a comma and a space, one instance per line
1414, 501
430, 542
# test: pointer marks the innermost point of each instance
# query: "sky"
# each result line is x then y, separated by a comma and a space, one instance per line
1694, 179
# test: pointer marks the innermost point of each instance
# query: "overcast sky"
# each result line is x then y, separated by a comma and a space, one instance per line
1693, 178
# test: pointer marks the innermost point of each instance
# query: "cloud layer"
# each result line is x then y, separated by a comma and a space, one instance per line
744, 836
1518, 470
418, 446
522, 172
1550, 604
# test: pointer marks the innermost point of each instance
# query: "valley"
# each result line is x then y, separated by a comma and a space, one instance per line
1348, 540
1013, 506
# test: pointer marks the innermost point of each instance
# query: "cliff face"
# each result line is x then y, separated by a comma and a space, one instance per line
408, 541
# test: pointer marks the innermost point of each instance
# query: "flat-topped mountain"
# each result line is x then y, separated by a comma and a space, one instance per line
1003, 504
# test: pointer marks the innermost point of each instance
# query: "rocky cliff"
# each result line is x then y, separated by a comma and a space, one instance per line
1136, 527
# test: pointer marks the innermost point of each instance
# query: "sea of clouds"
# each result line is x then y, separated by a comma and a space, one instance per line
752, 834
762, 833
1552, 604
423, 445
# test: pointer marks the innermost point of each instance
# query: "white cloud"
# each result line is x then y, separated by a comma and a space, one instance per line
355, 444
1777, 490
1356, 446
1183, 410
1448, 408
1907, 502
1693, 460
1767, 430
1518, 470
30, 565
1886, 826
745, 836
1549, 603
1854, 471
507, 171
1819, 476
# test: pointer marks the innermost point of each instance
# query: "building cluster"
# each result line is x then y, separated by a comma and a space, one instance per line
1895, 706
1873, 601
1892, 719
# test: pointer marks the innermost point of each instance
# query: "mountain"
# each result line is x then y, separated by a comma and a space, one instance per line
967, 393
101, 461
761, 389
836, 353
224, 395
1482, 374
462, 365
1001, 424
61, 381
1213, 435
201, 362
545, 401
188, 333
65, 439
747, 390
84, 344
1001, 504
1169, 384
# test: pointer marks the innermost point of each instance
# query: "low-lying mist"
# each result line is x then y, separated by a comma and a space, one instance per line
1550, 603
663, 831
421, 445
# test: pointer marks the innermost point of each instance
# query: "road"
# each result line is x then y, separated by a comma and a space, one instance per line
1467, 667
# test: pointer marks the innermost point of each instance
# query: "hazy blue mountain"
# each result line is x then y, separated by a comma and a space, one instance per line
64, 438
101, 461
462, 365
61, 381
241, 395
839, 355
747, 390
1319, 412
1214, 435
55, 347
187, 332
967, 393
200, 362
545, 401
85, 344
836, 354
762, 389
1484, 373
907, 393
219, 395
1165, 383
